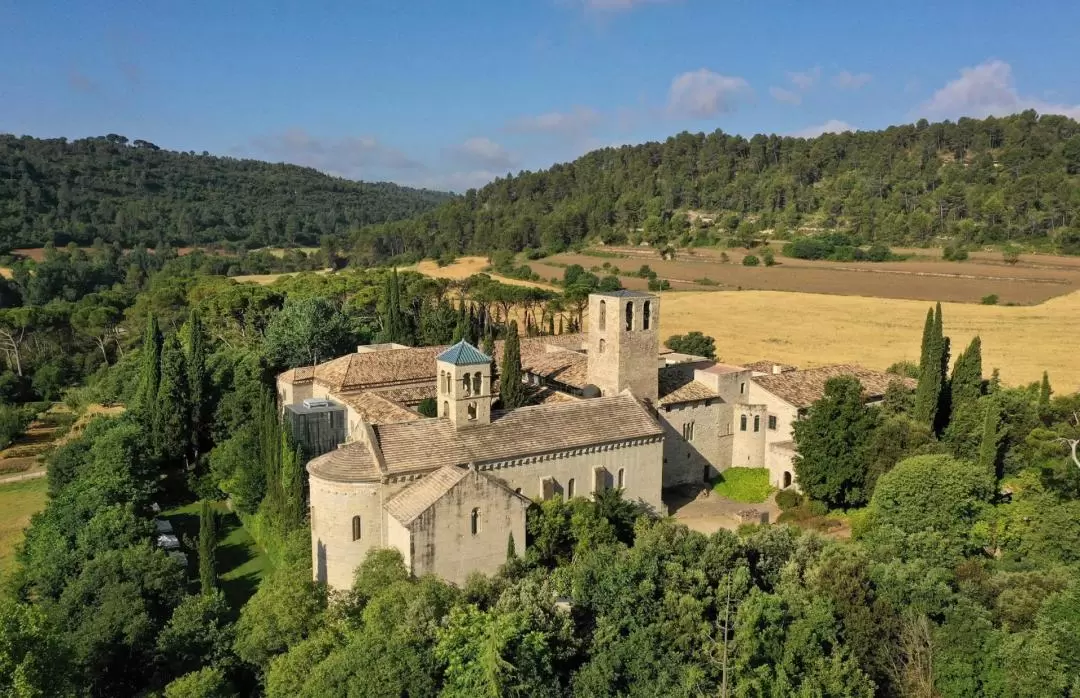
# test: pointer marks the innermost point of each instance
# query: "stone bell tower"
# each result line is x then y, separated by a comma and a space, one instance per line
624, 343
464, 390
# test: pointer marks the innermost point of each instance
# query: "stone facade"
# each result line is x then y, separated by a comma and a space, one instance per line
624, 341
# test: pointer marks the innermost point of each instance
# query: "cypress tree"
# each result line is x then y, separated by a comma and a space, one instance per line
195, 343
966, 383
488, 345
291, 515
1044, 392
994, 384
149, 372
927, 339
172, 416
991, 438
207, 547
395, 325
511, 551
511, 389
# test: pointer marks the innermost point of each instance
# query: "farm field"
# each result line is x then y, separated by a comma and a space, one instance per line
464, 267
18, 502
808, 329
1033, 280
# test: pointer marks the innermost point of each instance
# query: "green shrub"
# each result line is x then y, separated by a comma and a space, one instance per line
768, 257
750, 261
706, 282
991, 299
819, 508
659, 284
788, 499
954, 254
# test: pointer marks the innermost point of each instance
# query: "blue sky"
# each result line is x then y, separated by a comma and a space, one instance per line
449, 95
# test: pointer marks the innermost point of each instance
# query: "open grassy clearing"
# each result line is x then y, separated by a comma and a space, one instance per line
808, 329
18, 502
464, 267
241, 563
749, 485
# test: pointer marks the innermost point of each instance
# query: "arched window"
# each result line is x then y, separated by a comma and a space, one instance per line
446, 381
474, 521
621, 478
472, 410
601, 321
570, 488
629, 316
645, 315
466, 385
787, 479
742, 422
603, 346
445, 408
356, 528
442, 380
757, 423
476, 383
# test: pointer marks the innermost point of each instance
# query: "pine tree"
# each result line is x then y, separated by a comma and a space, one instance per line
195, 344
149, 372
1044, 392
511, 389
989, 446
172, 416
207, 547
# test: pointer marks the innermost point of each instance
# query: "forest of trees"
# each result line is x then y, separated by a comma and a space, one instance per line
136, 194
1015, 178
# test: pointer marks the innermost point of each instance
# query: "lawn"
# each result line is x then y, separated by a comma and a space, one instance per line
750, 485
18, 502
241, 563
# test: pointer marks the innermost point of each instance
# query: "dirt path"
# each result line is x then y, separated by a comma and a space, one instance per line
33, 475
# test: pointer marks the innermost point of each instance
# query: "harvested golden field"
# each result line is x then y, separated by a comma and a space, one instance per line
18, 502
808, 329
267, 279
464, 267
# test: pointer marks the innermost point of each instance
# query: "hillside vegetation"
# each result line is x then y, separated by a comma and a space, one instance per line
56, 190
998, 180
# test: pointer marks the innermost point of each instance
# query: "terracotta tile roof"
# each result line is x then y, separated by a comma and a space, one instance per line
410, 394
300, 374
720, 369
563, 366
804, 388
766, 366
417, 498
428, 444
352, 462
547, 396
375, 408
677, 384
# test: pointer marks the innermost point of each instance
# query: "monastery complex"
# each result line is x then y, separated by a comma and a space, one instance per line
610, 409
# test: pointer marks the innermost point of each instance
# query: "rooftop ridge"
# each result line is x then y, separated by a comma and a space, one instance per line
464, 354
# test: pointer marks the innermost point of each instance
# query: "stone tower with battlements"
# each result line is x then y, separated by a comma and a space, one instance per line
624, 343
464, 385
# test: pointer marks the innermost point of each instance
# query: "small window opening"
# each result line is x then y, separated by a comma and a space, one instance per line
742, 422
474, 521
601, 321
757, 423
472, 410
621, 478
629, 316
772, 422
603, 346
570, 488
446, 408
787, 479
477, 383
356, 528
646, 315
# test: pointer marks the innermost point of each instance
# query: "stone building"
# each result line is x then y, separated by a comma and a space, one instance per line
609, 410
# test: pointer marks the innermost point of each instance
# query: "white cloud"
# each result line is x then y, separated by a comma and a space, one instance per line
988, 90
575, 122
785, 96
806, 79
846, 80
830, 126
703, 93
347, 156
483, 152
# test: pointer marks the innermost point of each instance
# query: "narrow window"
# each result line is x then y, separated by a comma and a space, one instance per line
645, 315
356, 528
787, 479
446, 408
621, 478
629, 316
742, 422
465, 385
742, 388
757, 423
472, 411
474, 521
446, 380
601, 322
442, 379
570, 488
772, 422
477, 382
603, 345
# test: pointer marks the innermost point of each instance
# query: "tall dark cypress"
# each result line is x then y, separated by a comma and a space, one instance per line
989, 445
511, 389
172, 416
932, 373
927, 339
207, 547
966, 383
149, 372
1044, 391
195, 344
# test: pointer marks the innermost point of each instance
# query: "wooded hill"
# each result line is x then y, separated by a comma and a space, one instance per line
56, 190
974, 181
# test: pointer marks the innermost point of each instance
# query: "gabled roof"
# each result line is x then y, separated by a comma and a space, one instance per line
374, 408
803, 388
414, 500
464, 354
563, 366
677, 385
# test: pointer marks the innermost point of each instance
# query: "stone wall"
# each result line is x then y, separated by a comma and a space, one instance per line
619, 358
748, 446
685, 462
